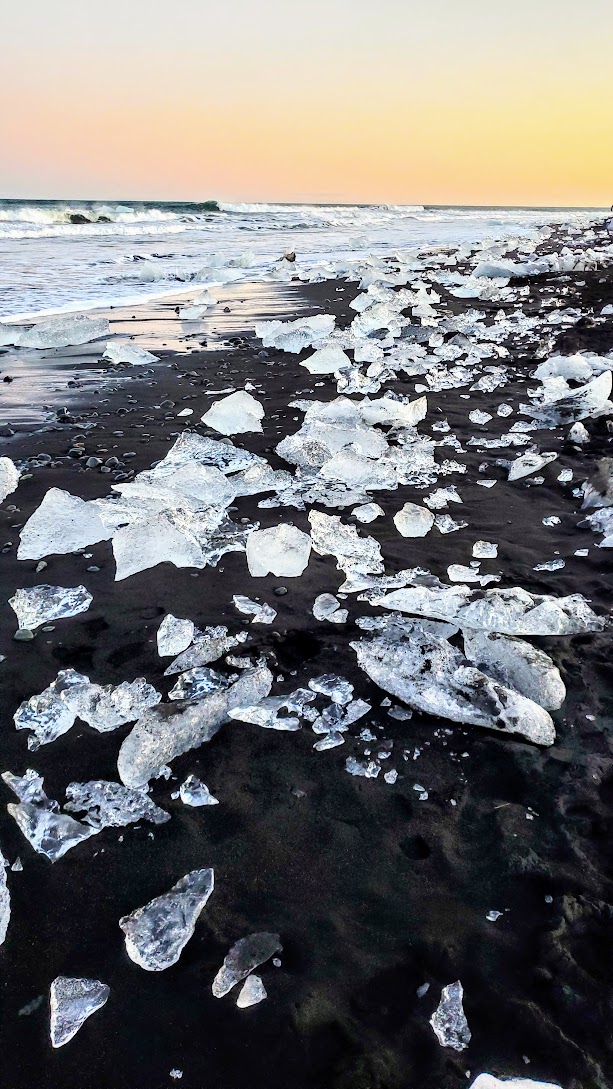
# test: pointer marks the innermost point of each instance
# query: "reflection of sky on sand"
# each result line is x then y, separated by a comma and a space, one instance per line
45, 381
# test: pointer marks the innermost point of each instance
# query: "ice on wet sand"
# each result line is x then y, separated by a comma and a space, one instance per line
125, 351
449, 1020
236, 414
157, 933
174, 635
413, 520
72, 1000
106, 804
243, 957
42, 604
282, 550
9, 478
252, 992
517, 664
63, 332
62, 523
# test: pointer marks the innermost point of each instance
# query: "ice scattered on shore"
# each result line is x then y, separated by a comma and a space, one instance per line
174, 635
157, 933
449, 1021
9, 478
252, 992
195, 793
282, 550
236, 414
42, 604
72, 1000
245, 955
63, 332
125, 351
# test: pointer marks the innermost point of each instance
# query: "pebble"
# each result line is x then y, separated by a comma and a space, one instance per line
93, 463
23, 635
280, 590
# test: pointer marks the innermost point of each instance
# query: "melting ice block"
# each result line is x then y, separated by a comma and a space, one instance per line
154, 540
326, 361
488, 1081
195, 793
62, 523
105, 707
5, 899
530, 463
327, 607
157, 933
590, 400
517, 664
243, 957
262, 614
282, 550
413, 520
9, 478
41, 604
252, 992
293, 336
50, 832
107, 804
49, 715
355, 555
165, 733
62, 332
72, 1001
174, 635
236, 414
125, 351
449, 1021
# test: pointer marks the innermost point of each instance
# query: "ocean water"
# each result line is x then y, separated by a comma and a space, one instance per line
51, 260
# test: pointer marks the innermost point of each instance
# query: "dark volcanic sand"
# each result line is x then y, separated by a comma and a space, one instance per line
373, 891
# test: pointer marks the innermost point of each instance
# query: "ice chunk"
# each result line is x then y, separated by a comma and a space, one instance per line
355, 555
413, 520
357, 471
28, 787
198, 682
125, 351
50, 832
105, 707
72, 1001
367, 769
247, 954
528, 464
236, 414
192, 448
367, 512
293, 336
195, 793
587, 401
336, 688
326, 361
457, 572
327, 607
41, 604
49, 715
154, 540
449, 1021
432, 676
513, 611
282, 550
9, 478
488, 1081
579, 434
252, 992
485, 550
107, 804
266, 714
165, 733
62, 523
157, 933
262, 614
174, 635
518, 665
208, 646
64, 331
5, 900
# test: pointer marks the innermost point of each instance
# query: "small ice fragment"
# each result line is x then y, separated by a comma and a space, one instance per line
48, 714
245, 955
262, 614
112, 805
157, 933
199, 682
422, 990
174, 635
331, 740
479, 417
195, 793
9, 478
552, 520
282, 550
236, 414
446, 524
448, 1020
367, 512
5, 899
369, 769
176, 1074
413, 520
41, 604
528, 464
391, 776
252, 992
125, 351
72, 1001
550, 565
336, 688
504, 410
579, 434
266, 714
493, 915
31, 1007
565, 476
327, 607
485, 550
581, 552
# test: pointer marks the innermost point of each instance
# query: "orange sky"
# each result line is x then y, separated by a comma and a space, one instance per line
439, 102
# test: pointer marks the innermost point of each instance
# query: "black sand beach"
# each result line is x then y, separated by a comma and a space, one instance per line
373, 890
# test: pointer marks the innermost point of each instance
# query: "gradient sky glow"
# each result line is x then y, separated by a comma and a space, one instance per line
400, 101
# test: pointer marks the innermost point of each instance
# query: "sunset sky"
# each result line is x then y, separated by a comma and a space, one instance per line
400, 101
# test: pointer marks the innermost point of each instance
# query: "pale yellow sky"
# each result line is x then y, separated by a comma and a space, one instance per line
477, 102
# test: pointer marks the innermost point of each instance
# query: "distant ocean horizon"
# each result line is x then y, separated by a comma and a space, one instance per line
58, 254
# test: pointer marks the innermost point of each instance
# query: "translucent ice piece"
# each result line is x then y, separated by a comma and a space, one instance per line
293, 336
449, 1021
530, 463
336, 688
199, 682
5, 900
174, 635
354, 554
247, 954
458, 572
49, 832
326, 361
72, 1001
488, 1081
62, 523
252, 992
350, 467
48, 715
327, 607
485, 550
107, 804
195, 793
142, 545
368, 769
433, 677
41, 604
266, 714
236, 414
208, 646
517, 664
157, 933
125, 351
9, 478
587, 401
165, 732
64, 331
105, 707
282, 550
367, 512
262, 614
28, 787
413, 520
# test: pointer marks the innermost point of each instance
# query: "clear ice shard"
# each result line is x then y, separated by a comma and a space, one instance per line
266, 714
336, 688
589, 400
72, 1001
327, 607
282, 550
174, 635
355, 555
49, 715
9, 478
433, 677
236, 414
105, 707
142, 545
41, 604
50, 832
488, 1081
248, 953
530, 463
62, 523
165, 732
413, 520
367, 512
518, 665
293, 336
62, 332
198, 682
449, 1021
326, 361
261, 614
110, 805
207, 646
125, 351
195, 793
5, 899
513, 611
251, 992
157, 933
